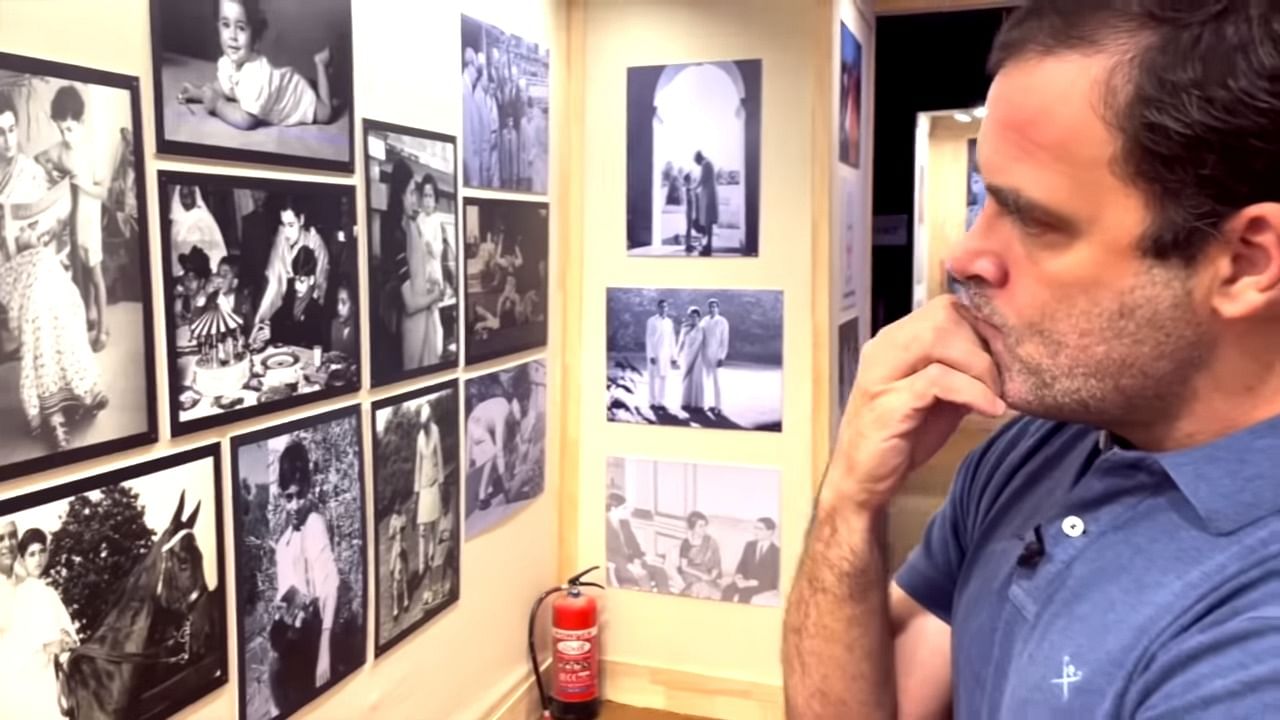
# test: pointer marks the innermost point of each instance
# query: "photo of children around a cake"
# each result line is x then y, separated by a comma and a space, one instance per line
261, 295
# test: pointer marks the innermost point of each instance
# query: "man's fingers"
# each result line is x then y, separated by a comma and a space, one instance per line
939, 381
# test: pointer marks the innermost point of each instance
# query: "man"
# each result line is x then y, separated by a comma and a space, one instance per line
1112, 552
472, 122
659, 349
493, 427
715, 348
292, 236
307, 583
757, 570
708, 200
627, 562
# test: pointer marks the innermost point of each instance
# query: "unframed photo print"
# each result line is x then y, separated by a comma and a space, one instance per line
695, 358
99, 571
693, 529
300, 560
416, 467
77, 370
414, 261
506, 105
506, 266
255, 81
693, 159
849, 112
506, 437
261, 295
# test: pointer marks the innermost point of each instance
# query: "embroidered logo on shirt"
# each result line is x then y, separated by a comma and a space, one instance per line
1069, 675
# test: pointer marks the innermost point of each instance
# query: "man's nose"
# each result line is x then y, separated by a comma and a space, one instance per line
974, 259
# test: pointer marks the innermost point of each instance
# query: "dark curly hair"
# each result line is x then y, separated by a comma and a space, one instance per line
295, 468
1194, 98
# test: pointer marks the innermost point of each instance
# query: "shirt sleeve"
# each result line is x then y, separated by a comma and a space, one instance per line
321, 563
931, 571
253, 87
1225, 671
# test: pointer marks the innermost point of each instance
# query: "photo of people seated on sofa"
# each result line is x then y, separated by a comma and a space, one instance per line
696, 530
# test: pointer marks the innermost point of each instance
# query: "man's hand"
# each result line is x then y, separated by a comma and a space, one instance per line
917, 379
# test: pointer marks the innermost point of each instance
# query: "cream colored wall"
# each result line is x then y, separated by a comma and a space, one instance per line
468, 660
726, 641
945, 186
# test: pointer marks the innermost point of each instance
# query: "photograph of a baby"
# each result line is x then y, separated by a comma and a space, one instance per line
255, 81
261, 295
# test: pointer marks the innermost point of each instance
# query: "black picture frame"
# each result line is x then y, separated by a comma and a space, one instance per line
386, 364
241, 513
137, 249
215, 664
319, 194
184, 21
453, 485
531, 236
644, 86
523, 88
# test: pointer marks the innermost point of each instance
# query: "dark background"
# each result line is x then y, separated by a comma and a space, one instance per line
641, 84
522, 219
906, 83
296, 31
755, 319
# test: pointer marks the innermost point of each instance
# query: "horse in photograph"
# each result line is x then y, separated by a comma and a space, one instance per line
164, 621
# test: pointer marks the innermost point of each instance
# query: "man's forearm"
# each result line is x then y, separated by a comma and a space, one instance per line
838, 642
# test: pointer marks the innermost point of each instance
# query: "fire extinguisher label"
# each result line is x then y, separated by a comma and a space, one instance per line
576, 664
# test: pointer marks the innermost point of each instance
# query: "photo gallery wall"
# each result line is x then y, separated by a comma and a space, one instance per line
265, 311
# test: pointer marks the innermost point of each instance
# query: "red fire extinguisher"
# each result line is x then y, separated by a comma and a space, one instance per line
575, 692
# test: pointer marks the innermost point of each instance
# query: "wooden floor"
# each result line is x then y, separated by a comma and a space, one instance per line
614, 711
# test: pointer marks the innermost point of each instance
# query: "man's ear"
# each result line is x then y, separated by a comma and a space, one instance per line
1248, 283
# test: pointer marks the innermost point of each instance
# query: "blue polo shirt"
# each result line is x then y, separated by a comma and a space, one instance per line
1157, 594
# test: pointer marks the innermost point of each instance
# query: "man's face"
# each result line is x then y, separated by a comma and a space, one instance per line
8, 547
1081, 326
292, 226
228, 275
296, 505
713, 309
8, 136
69, 130
762, 533
662, 309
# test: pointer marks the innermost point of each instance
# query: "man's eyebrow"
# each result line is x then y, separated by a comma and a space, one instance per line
1019, 205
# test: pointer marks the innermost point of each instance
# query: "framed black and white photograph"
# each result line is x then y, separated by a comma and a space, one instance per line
416, 471
852, 230
261, 295
412, 191
114, 597
693, 529
506, 266
255, 81
506, 105
300, 560
847, 366
506, 437
695, 358
77, 369
693, 159
849, 111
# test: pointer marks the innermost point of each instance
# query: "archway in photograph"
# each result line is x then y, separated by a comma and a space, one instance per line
699, 108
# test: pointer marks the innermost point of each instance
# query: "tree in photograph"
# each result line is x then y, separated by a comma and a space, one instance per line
98, 545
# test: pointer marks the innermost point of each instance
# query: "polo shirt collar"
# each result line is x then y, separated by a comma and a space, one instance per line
1231, 481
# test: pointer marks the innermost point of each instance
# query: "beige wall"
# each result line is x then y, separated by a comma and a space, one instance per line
945, 185
407, 54
646, 635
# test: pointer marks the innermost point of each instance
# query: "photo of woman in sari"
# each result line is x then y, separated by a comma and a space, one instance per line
700, 560
689, 349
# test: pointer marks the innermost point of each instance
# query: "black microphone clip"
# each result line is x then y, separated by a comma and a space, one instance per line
1033, 552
